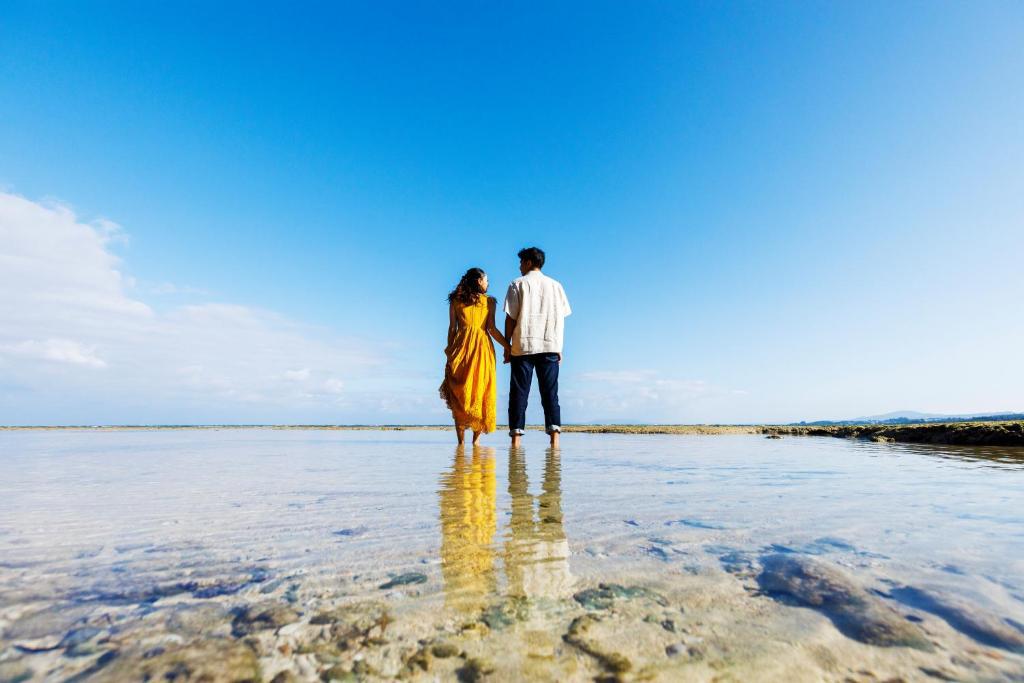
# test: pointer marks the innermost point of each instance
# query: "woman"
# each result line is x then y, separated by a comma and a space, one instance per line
470, 379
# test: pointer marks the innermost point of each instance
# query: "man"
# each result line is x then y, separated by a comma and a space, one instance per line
535, 309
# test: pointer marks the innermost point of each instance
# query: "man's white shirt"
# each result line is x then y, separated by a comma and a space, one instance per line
540, 306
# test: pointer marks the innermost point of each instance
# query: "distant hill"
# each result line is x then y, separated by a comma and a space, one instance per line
906, 414
904, 417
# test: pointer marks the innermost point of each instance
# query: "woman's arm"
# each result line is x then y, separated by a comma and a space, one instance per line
492, 329
453, 327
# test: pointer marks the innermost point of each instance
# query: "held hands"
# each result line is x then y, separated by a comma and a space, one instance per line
507, 357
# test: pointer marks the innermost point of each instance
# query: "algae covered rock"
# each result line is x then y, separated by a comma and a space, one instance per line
969, 619
605, 595
474, 670
443, 650
506, 613
214, 659
407, 579
578, 636
855, 612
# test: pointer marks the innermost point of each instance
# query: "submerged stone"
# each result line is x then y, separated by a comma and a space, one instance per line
657, 552
47, 624
133, 594
77, 636
855, 612
340, 674
474, 670
444, 650
982, 626
353, 531
696, 524
823, 546
355, 625
261, 617
737, 562
219, 589
577, 636
214, 659
199, 620
505, 614
80, 642
98, 666
604, 596
595, 598
407, 579
15, 672
420, 660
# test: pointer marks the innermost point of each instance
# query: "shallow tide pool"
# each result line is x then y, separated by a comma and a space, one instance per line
259, 554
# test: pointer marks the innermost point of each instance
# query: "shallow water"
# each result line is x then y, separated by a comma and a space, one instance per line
312, 555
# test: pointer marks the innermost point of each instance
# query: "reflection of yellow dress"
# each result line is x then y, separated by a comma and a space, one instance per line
468, 523
470, 386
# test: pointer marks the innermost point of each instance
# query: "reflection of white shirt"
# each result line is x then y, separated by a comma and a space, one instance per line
546, 571
540, 306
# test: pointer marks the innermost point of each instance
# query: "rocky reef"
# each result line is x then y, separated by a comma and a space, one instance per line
1007, 433
951, 433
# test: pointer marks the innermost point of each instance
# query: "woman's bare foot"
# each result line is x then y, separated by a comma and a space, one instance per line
517, 441
554, 439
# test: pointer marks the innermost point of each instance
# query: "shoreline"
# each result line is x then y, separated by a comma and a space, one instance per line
1007, 433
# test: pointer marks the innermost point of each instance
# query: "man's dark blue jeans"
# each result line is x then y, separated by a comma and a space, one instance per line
546, 365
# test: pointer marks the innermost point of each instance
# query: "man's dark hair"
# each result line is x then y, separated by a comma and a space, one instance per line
534, 255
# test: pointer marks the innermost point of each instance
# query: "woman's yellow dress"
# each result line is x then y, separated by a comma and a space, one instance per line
470, 386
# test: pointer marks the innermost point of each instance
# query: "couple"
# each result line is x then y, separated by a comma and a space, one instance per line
535, 308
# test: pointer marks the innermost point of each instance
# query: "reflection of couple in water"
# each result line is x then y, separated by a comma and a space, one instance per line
535, 310
535, 552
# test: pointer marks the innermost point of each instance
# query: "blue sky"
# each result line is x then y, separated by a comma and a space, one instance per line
760, 212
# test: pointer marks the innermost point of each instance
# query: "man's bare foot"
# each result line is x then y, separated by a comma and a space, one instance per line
460, 434
554, 439
476, 438
517, 441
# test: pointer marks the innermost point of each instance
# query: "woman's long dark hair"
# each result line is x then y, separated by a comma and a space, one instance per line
468, 290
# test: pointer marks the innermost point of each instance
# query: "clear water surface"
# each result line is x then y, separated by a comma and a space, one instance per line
317, 555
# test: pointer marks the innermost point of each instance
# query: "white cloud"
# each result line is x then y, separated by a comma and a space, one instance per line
625, 376
71, 333
56, 350
169, 288
297, 375
645, 396
334, 386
